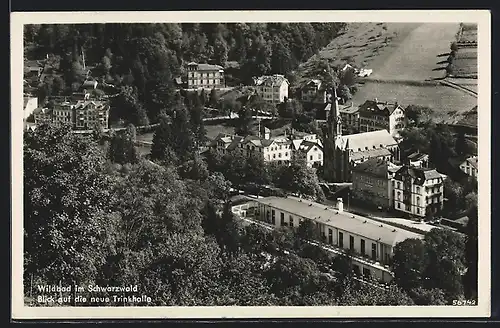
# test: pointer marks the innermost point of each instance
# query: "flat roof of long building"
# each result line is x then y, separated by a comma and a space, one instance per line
342, 220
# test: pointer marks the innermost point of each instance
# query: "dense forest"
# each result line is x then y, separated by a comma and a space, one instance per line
143, 59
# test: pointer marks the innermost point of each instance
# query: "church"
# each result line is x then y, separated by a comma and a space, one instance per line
342, 152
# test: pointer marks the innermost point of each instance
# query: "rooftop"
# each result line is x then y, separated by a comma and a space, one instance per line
346, 221
372, 154
375, 107
473, 161
361, 141
417, 156
349, 109
420, 174
206, 67
272, 80
375, 167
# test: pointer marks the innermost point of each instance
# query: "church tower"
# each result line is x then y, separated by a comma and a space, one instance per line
332, 155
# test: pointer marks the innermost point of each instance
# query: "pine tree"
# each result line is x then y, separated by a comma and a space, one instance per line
162, 140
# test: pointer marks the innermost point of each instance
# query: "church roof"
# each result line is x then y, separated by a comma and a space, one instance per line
366, 140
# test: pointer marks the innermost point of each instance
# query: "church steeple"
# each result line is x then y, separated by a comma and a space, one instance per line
333, 120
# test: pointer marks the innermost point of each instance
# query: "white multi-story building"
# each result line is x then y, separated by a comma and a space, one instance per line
311, 152
375, 115
418, 191
273, 89
369, 242
89, 114
205, 76
63, 114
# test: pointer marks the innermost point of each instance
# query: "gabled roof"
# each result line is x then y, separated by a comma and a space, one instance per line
419, 174
270, 81
206, 67
236, 141
308, 145
473, 161
41, 110
371, 107
374, 166
346, 221
369, 140
417, 156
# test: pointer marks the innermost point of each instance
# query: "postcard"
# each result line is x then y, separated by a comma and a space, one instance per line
250, 164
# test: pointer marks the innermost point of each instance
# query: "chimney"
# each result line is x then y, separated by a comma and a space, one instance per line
376, 100
340, 205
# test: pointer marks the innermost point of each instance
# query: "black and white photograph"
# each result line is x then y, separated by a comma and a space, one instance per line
248, 164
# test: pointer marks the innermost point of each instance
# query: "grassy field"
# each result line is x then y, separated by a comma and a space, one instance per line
417, 55
446, 102
414, 53
362, 44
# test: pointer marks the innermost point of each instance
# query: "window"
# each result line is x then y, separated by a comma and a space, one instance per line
362, 247
399, 185
393, 184
282, 217
418, 201
279, 155
286, 154
351, 242
273, 217
274, 155
356, 269
311, 157
374, 251
399, 195
319, 156
418, 191
291, 221
341, 240
366, 272
330, 236
418, 210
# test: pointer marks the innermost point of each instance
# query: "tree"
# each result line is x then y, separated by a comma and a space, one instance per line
418, 115
367, 295
203, 97
162, 140
344, 93
299, 178
256, 169
460, 144
106, 64
422, 296
122, 147
471, 255
195, 169
444, 261
244, 122
197, 125
66, 206
290, 109
183, 138
214, 98
408, 263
